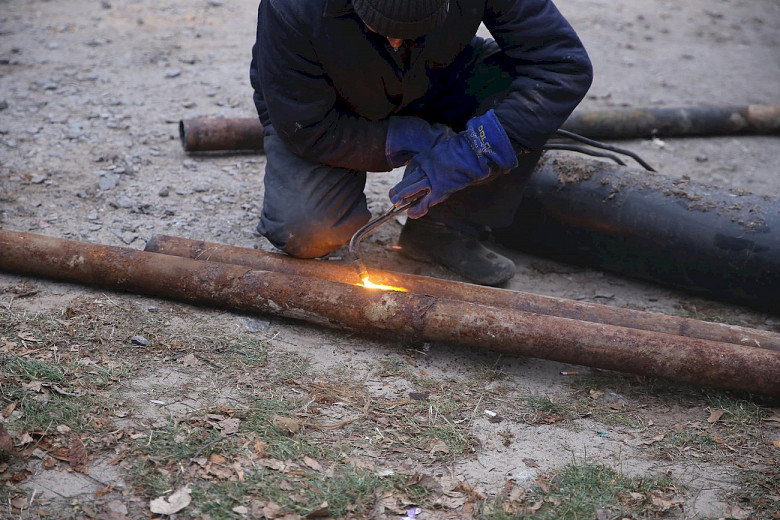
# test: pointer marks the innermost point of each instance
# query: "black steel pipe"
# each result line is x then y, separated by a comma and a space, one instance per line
713, 242
409, 315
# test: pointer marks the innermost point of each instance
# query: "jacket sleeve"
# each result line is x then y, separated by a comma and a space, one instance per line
553, 71
293, 92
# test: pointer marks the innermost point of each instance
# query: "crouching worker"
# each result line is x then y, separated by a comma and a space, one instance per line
348, 86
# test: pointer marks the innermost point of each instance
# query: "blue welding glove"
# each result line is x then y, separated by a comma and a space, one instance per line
482, 149
407, 136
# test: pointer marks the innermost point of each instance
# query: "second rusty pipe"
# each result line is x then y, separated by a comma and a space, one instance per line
204, 134
221, 134
405, 315
522, 301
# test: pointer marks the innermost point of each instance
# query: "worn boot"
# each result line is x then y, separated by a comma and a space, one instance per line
460, 251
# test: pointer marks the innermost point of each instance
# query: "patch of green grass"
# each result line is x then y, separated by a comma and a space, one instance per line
545, 404
281, 443
51, 405
697, 442
439, 421
347, 492
494, 372
174, 445
758, 491
580, 489
738, 412
105, 376
31, 369
291, 367
251, 351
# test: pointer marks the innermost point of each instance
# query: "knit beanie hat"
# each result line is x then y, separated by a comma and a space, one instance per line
407, 19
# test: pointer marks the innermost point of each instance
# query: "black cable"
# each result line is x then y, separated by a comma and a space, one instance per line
604, 146
580, 149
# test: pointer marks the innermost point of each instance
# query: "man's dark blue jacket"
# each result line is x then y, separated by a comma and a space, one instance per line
327, 84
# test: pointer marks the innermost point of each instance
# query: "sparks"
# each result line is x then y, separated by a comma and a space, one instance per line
371, 285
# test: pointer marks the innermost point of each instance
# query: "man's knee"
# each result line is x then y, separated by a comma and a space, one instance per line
310, 236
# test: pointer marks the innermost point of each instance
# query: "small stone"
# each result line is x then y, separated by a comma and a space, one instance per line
108, 181
139, 340
75, 131
164, 191
257, 324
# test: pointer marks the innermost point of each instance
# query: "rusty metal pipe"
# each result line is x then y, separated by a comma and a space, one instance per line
203, 134
220, 134
526, 302
407, 315
643, 123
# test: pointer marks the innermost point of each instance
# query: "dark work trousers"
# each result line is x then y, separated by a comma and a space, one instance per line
310, 209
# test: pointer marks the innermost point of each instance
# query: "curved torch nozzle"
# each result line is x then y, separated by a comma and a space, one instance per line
354, 243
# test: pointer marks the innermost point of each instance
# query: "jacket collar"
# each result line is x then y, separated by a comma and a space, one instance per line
337, 7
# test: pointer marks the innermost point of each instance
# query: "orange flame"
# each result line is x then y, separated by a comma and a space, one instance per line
371, 285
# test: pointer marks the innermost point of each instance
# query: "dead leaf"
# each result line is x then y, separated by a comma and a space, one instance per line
272, 510
715, 415
427, 482
451, 500
77, 456
659, 437
320, 512
8, 410
313, 464
49, 462
531, 463
260, 448
35, 386
115, 510
229, 426
662, 503
6, 442
20, 502
239, 471
288, 424
178, 500
102, 491
216, 458
439, 447
273, 464
776, 443
190, 361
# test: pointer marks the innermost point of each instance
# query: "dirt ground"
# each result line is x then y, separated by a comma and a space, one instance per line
91, 94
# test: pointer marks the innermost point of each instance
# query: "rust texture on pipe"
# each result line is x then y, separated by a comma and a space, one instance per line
405, 315
632, 123
527, 302
218, 134
203, 134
